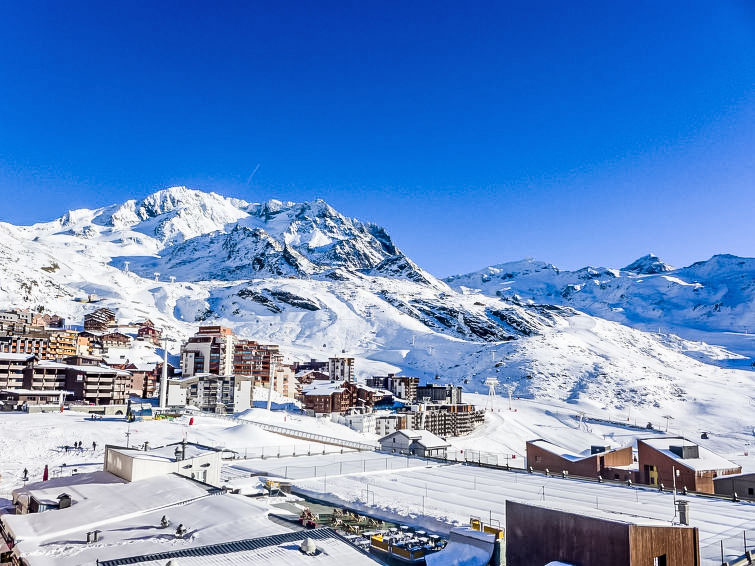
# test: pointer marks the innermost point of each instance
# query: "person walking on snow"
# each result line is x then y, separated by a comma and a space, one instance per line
45, 474
94, 446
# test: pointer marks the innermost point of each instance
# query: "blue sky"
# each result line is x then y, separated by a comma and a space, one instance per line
578, 133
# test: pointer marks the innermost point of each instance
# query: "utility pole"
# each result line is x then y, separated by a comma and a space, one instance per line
272, 378
164, 378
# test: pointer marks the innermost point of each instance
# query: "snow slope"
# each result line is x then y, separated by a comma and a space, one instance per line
712, 300
320, 284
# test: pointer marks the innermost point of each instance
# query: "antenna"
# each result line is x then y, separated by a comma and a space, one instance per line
492, 383
164, 378
157, 276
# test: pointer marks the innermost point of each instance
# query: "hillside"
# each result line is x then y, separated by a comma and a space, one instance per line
319, 283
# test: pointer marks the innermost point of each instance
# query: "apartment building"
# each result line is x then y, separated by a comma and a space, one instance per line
341, 369
99, 320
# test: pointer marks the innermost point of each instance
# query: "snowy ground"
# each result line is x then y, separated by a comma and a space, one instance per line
34, 440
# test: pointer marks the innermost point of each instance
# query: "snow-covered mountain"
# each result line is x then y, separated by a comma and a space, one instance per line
319, 283
714, 299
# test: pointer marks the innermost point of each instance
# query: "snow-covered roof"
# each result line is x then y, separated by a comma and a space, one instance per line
422, 437
275, 550
10, 357
568, 454
106, 503
321, 387
83, 369
558, 450
167, 452
707, 459
40, 392
79, 486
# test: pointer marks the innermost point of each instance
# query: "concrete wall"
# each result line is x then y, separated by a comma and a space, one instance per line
743, 485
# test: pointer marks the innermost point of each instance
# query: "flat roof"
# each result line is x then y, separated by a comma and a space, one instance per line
11, 357
167, 452
104, 504
79, 486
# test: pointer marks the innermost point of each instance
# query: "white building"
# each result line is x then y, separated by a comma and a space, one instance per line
212, 393
194, 461
341, 369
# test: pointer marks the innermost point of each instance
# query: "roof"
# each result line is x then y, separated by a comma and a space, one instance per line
279, 549
210, 519
10, 357
422, 437
557, 450
40, 392
568, 454
167, 452
79, 486
321, 387
103, 504
708, 460
83, 369
603, 514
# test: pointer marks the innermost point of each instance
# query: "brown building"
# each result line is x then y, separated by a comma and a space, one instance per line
695, 467
93, 384
255, 360
147, 331
604, 461
115, 340
12, 369
538, 535
99, 320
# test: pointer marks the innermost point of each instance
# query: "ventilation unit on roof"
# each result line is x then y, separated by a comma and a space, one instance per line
686, 451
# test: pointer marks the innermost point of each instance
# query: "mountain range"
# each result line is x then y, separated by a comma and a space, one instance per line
319, 283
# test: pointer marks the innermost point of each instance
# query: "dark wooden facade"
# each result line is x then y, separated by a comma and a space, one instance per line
538, 535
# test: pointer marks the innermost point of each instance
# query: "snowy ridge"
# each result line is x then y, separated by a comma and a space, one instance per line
304, 276
713, 296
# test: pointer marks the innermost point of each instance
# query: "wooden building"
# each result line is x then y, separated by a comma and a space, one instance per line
537, 535
695, 467
604, 461
99, 320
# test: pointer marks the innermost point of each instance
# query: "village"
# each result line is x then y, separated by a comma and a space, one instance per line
243, 442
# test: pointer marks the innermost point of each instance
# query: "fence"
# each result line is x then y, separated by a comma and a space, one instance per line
731, 551
295, 433
284, 451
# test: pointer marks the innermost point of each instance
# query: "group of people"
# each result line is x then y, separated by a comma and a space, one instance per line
78, 445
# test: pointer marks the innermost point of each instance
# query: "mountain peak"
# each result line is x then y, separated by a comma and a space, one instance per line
648, 265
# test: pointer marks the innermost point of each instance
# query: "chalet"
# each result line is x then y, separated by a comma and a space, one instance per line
147, 331
99, 320
115, 340
326, 397
415, 442
604, 461
695, 467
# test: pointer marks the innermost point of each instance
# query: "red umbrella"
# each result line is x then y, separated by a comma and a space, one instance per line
45, 474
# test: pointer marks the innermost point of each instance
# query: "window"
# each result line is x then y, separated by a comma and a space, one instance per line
750, 491
660, 560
